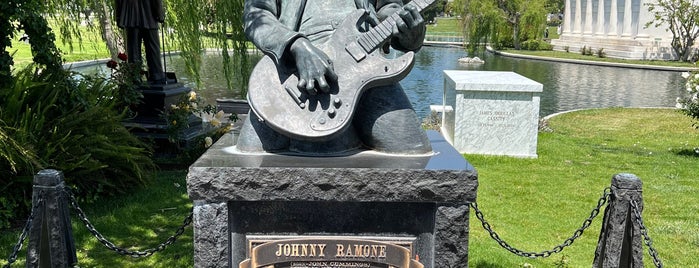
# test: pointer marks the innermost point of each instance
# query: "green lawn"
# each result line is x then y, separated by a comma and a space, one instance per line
92, 48
535, 204
445, 25
138, 221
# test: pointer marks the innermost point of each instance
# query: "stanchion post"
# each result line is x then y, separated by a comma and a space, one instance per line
51, 241
620, 243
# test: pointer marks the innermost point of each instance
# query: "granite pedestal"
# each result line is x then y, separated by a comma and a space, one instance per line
421, 199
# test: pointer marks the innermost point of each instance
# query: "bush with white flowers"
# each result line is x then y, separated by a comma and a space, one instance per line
690, 104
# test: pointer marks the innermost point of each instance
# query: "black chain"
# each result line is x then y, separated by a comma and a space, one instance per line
25, 231
603, 200
644, 231
135, 253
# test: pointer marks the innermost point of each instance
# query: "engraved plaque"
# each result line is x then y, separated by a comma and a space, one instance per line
329, 252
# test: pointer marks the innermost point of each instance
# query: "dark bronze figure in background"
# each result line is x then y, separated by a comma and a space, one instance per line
140, 19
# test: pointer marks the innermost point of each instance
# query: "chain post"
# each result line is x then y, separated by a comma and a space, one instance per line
620, 243
25, 231
644, 231
50, 234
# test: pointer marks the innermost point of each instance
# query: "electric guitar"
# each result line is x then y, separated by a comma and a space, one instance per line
359, 64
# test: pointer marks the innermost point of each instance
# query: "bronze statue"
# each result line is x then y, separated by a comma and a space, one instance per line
140, 19
313, 59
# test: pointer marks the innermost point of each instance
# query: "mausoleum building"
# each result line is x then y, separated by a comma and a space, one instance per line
617, 26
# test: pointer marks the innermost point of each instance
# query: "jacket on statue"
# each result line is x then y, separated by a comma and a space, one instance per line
273, 25
144, 14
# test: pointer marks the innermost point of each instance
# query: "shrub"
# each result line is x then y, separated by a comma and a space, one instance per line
690, 104
52, 120
536, 45
586, 51
600, 53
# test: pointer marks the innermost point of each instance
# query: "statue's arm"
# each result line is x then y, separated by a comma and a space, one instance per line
412, 29
262, 27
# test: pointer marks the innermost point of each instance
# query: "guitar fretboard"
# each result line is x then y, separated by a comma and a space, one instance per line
371, 39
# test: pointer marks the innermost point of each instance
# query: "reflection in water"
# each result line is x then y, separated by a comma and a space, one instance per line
566, 86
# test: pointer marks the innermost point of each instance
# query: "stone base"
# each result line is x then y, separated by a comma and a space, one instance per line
425, 198
154, 130
616, 47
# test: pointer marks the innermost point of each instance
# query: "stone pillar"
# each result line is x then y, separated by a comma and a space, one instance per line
645, 16
600, 18
588, 18
626, 30
620, 243
567, 19
578, 16
613, 20
51, 234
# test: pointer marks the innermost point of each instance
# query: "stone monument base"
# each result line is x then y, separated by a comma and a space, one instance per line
150, 125
375, 201
636, 48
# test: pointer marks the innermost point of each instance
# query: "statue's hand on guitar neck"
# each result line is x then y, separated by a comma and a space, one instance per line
409, 28
315, 69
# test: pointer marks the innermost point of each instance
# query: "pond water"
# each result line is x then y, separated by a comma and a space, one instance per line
567, 86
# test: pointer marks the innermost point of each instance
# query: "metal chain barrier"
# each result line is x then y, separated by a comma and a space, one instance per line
13, 257
132, 253
602, 201
644, 231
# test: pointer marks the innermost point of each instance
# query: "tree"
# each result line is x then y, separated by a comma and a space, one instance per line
434, 10
192, 31
681, 17
555, 6
494, 20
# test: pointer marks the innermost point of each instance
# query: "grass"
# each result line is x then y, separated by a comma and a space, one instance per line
445, 25
534, 204
138, 221
537, 203
92, 48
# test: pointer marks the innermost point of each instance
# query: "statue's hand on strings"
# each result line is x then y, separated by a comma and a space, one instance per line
315, 70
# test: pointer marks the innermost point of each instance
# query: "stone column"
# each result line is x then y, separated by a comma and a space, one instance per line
645, 16
578, 16
588, 18
627, 31
600, 18
613, 20
567, 19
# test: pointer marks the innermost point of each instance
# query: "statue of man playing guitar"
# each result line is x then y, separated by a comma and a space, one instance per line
292, 35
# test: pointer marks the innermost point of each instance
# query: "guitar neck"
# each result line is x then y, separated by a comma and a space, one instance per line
371, 39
